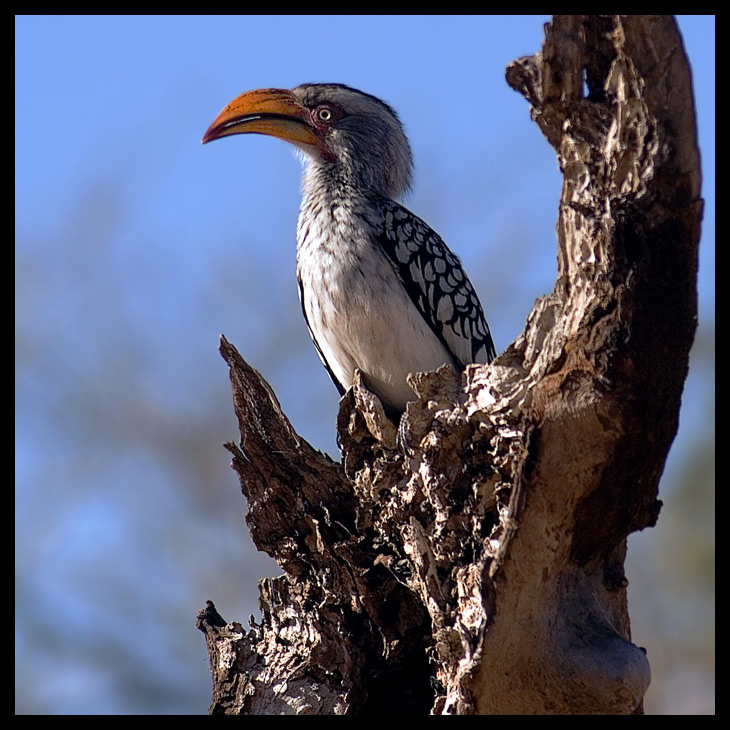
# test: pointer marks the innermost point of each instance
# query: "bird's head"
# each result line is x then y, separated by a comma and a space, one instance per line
345, 131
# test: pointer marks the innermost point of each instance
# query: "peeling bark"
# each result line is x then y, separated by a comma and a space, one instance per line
470, 560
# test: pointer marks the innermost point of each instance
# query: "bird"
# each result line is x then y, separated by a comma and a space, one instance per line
380, 290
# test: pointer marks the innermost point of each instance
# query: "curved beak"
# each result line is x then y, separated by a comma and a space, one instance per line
275, 112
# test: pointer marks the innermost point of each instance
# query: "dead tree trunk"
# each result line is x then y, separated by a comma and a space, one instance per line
472, 561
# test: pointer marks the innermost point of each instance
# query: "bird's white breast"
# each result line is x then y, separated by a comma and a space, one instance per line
357, 309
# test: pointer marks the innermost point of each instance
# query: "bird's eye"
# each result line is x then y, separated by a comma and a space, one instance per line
324, 114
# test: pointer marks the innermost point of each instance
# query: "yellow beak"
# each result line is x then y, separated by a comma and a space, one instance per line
275, 112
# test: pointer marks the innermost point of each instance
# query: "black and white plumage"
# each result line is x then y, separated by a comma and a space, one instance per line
380, 290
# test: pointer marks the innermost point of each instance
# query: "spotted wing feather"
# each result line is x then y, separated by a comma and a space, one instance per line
436, 284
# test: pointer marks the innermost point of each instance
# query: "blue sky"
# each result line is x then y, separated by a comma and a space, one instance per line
136, 247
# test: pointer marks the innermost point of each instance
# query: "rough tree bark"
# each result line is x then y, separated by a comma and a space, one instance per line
471, 561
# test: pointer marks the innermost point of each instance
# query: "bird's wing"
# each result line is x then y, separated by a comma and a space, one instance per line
340, 387
436, 284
